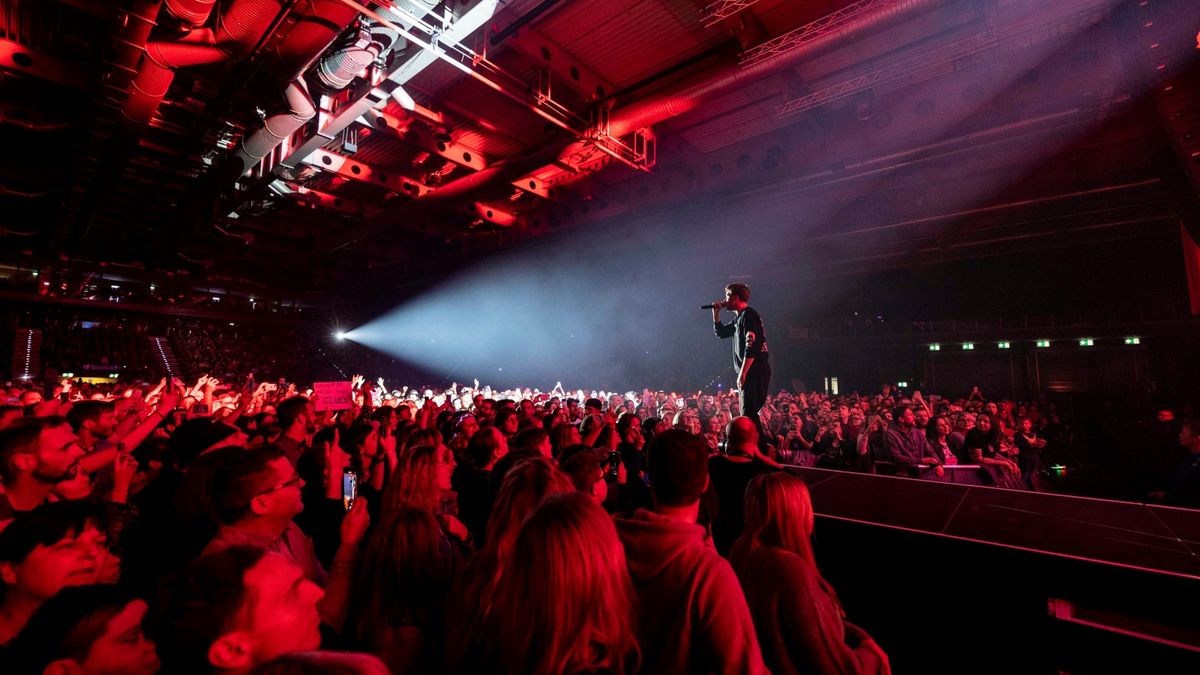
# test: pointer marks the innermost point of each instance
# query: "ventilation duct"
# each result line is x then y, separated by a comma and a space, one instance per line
358, 49
707, 86
192, 13
277, 126
239, 29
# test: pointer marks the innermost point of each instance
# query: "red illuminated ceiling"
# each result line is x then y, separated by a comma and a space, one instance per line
540, 116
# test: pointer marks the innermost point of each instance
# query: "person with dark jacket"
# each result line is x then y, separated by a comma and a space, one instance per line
907, 446
692, 616
730, 474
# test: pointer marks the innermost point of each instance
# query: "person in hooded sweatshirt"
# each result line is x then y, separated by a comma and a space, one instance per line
692, 615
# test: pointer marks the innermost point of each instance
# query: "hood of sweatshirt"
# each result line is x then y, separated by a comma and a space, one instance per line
653, 542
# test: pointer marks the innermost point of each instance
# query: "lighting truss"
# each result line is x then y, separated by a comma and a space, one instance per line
830, 23
396, 78
722, 9
914, 65
928, 61
430, 38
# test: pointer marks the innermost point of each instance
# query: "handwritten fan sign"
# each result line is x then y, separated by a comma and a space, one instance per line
332, 396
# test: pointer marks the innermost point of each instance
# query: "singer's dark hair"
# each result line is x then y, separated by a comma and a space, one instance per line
739, 290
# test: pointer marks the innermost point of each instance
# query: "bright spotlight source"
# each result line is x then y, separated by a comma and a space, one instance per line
339, 335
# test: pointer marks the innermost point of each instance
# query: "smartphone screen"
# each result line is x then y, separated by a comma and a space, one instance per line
349, 487
614, 464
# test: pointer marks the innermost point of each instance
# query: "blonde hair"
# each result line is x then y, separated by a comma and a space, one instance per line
567, 598
415, 481
778, 513
525, 487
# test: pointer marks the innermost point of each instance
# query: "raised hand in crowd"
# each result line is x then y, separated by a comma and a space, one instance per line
125, 471
355, 524
336, 461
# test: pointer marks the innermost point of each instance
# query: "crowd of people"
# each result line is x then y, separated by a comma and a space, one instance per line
254, 527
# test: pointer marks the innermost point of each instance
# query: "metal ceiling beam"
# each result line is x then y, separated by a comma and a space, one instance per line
1086, 195
833, 22
498, 215
534, 186
427, 139
721, 10
324, 200
365, 173
495, 78
377, 97
566, 69
930, 62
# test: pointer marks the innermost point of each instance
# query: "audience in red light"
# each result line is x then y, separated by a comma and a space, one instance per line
506, 531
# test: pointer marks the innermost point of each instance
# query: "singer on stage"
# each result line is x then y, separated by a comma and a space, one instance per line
750, 357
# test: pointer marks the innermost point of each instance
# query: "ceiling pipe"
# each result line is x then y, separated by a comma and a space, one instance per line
706, 87
238, 30
399, 14
137, 21
193, 13
278, 126
692, 93
356, 50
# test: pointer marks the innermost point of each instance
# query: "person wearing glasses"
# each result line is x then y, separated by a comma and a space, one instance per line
256, 496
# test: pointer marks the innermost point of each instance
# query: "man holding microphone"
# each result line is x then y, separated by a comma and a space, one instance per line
750, 356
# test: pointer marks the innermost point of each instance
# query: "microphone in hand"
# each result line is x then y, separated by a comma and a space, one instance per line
715, 305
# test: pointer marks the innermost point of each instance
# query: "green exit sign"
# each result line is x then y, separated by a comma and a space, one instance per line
1043, 343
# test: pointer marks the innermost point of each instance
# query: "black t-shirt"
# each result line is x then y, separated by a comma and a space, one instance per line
749, 337
1025, 444
729, 479
989, 444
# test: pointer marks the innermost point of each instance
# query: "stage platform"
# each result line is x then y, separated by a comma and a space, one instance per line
1143, 536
